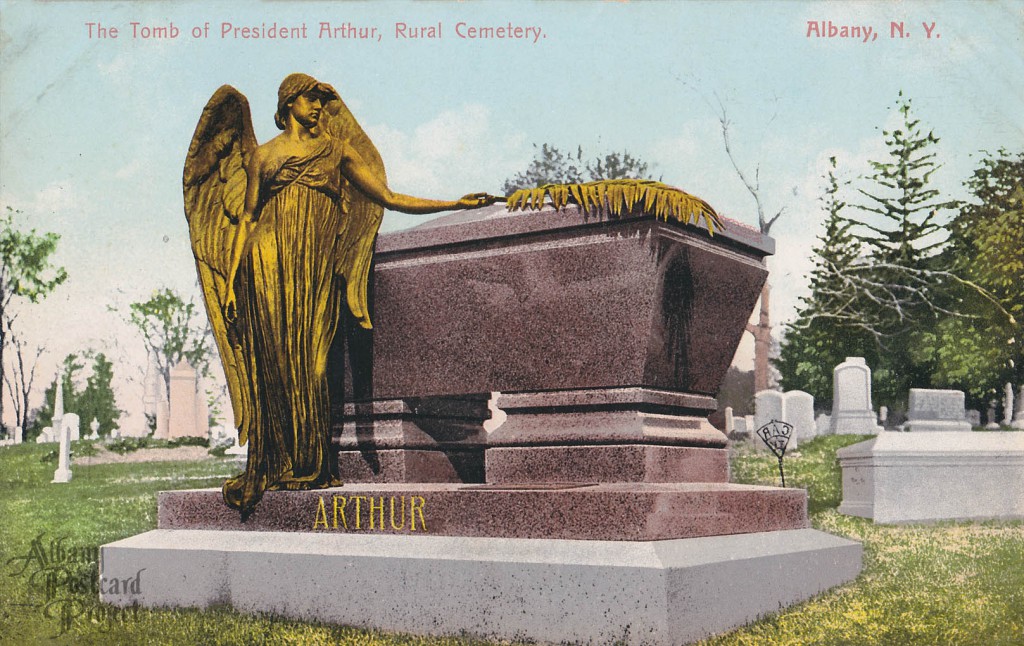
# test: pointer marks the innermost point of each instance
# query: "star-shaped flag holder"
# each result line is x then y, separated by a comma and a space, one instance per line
776, 435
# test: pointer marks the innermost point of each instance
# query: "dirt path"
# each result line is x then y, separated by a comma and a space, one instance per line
183, 453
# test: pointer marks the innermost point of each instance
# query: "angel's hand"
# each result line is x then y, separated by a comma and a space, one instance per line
476, 200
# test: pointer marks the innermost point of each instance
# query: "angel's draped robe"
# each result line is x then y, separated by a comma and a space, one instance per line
288, 299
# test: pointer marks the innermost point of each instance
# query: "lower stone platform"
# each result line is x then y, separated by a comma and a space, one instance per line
610, 511
652, 592
925, 477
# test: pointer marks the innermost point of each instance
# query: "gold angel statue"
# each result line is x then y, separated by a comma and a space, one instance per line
283, 236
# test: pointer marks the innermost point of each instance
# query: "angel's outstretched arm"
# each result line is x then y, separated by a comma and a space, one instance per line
363, 177
244, 227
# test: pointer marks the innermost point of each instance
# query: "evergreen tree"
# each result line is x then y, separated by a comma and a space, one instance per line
97, 401
827, 326
902, 289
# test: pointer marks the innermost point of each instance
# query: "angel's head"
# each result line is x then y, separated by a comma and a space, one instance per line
305, 94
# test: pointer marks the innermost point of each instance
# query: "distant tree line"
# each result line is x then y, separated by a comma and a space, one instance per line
929, 290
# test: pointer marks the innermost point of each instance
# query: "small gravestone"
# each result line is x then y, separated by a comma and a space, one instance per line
19, 435
936, 410
94, 426
799, 413
883, 415
63, 472
730, 424
991, 415
740, 430
851, 400
73, 423
823, 424
1018, 415
974, 417
1008, 404
768, 405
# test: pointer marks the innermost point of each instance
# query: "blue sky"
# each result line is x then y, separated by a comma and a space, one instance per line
93, 132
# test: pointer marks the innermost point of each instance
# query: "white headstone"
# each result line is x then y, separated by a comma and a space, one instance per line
63, 472
46, 435
851, 400
823, 424
19, 435
798, 412
974, 417
883, 415
992, 423
936, 410
740, 426
73, 423
1008, 404
94, 426
768, 405
730, 424
58, 410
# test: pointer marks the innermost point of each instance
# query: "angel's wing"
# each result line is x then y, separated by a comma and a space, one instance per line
363, 215
214, 186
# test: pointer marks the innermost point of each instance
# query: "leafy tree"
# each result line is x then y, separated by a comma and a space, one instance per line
67, 375
984, 348
27, 273
21, 377
826, 328
95, 400
552, 166
98, 401
173, 329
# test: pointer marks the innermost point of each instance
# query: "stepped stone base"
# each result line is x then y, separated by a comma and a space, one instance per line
621, 511
651, 592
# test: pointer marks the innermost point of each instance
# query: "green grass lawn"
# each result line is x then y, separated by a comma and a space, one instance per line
955, 583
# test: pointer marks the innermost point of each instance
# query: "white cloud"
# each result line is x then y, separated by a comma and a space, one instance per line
457, 152
55, 198
130, 170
